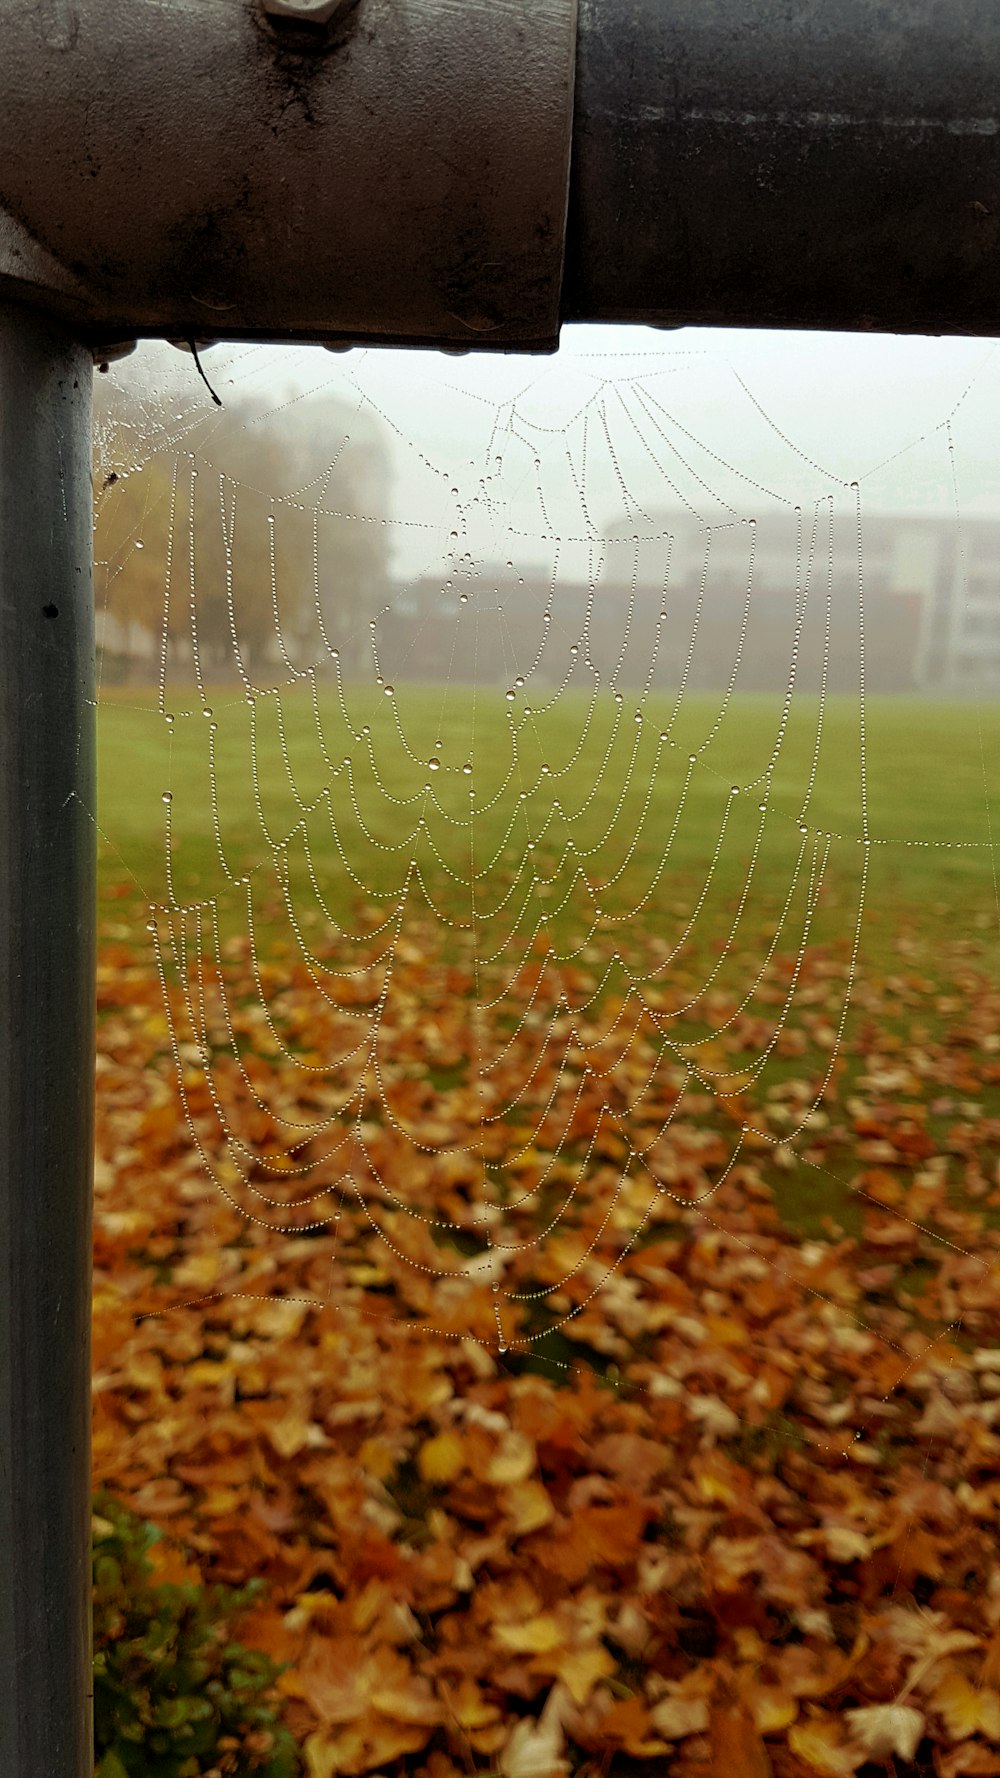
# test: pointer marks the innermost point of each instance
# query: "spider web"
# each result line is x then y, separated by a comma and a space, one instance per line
524, 848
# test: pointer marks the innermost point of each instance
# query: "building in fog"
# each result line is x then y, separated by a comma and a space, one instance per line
675, 600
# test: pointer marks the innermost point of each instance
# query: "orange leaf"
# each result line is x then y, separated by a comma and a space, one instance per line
736, 1743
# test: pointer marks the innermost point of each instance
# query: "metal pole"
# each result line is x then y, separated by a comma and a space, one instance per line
47, 903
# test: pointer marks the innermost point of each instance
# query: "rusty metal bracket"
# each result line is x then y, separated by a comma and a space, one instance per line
387, 170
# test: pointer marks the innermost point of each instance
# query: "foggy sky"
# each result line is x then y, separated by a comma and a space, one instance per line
803, 415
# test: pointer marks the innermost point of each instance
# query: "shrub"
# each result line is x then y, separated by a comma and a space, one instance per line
174, 1695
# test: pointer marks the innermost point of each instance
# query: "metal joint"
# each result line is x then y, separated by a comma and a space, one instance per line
327, 170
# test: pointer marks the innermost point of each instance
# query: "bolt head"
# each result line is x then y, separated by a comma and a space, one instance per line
312, 12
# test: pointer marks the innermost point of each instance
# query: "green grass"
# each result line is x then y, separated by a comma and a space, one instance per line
281, 779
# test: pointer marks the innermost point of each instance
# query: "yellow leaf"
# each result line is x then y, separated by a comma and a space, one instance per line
528, 1507
725, 1330
820, 1746
715, 1479
581, 1668
220, 1500
321, 1756
405, 1704
470, 1708
536, 1635
967, 1709
773, 1709
442, 1458
513, 1460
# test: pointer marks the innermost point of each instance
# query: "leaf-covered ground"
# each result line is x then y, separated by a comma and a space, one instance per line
727, 1503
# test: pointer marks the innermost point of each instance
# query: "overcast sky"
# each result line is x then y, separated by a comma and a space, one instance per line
695, 414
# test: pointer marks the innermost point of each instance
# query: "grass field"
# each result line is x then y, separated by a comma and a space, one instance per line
928, 769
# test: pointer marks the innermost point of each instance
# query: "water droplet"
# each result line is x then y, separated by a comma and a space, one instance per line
387, 691
467, 769
520, 679
139, 543
167, 796
510, 696
169, 721
574, 648
638, 716
463, 598
546, 771
208, 712
150, 925
692, 759
433, 763
335, 654
734, 790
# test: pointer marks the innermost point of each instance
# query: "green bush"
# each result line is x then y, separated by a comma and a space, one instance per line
174, 1695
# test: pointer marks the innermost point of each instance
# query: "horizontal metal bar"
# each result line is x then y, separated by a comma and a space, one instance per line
805, 165
398, 174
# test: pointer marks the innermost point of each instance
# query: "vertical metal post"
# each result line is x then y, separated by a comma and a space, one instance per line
47, 919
